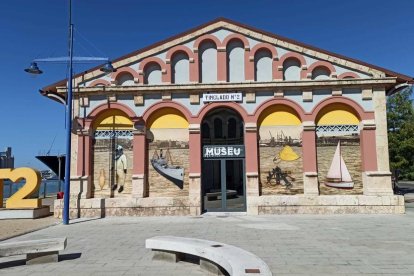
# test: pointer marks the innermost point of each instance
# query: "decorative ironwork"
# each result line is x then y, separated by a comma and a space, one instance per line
107, 134
337, 129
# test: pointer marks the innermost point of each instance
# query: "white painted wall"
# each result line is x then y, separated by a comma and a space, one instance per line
263, 65
291, 69
181, 68
126, 79
208, 61
152, 74
235, 61
320, 73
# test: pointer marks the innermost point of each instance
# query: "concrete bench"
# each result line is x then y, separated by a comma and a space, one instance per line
214, 256
37, 251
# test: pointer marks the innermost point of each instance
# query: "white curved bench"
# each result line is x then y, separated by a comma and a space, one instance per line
233, 260
37, 251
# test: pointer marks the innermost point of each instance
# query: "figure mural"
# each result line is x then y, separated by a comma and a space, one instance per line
120, 169
112, 155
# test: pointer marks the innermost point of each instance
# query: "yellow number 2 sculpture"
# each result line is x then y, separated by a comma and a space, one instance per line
19, 199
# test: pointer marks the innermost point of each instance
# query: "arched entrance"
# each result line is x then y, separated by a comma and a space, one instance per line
112, 134
223, 166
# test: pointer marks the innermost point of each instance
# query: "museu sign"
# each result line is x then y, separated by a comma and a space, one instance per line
223, 151
223, 97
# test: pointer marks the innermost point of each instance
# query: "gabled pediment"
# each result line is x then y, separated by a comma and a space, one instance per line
311, 61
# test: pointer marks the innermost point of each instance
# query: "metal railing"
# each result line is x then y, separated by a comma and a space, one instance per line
48, 188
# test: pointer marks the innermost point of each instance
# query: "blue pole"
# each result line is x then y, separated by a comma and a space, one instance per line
66, 197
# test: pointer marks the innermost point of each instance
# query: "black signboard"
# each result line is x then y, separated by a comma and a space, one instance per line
223, 151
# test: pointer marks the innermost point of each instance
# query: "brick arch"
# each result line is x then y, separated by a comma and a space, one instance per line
97, 82
206, 37
261, 46
124, 70
179, 48
257, 48
104, 107
231, 37
207, 108
358, 110
166, 104
348, 75
286, 102
149, 60
248, 70
191, 56
221, 56
298, 57
88, 121
321, 63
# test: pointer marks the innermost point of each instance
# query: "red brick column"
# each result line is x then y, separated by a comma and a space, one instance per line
139, 183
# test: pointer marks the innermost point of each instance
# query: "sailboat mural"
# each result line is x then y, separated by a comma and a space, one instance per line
338, 175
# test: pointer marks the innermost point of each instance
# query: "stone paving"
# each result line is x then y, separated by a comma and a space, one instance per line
290, 245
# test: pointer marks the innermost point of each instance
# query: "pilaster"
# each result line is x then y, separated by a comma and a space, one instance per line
194, 190
381, 134
310, 167
252, 166
139, 183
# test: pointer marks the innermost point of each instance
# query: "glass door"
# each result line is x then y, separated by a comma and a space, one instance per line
223, 185
235, 199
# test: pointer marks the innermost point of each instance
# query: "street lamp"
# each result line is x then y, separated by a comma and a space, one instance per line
34, 69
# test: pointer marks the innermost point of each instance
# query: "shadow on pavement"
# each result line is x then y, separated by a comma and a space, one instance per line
69, 256
80, 220
62, 257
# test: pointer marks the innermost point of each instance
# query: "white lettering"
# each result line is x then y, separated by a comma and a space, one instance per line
237, 151
209, 152
230, 151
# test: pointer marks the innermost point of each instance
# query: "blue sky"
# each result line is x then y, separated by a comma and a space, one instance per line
376, 31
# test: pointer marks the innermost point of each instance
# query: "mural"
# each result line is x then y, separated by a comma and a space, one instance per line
280, 149
168, 153
338, 152
112, 155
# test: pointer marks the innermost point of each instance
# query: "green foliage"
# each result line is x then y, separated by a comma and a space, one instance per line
400, 120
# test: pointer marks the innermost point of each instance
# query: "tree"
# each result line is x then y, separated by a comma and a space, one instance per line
400, 120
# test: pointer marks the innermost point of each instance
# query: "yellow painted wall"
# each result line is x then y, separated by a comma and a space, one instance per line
337, 114
279, 115
167, 118
113, 119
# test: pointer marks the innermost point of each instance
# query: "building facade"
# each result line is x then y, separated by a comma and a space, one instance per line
226, 117
6, 159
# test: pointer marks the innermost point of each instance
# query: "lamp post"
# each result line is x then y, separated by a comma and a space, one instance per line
70, 59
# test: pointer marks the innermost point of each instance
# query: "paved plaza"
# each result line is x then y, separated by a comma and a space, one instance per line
290, 245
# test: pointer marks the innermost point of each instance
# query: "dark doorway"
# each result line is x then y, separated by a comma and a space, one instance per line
223, 177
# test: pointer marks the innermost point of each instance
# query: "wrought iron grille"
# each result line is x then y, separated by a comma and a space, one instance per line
337, 129
107, 134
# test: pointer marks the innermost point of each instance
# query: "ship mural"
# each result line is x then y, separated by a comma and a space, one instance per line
338, 175
163, 164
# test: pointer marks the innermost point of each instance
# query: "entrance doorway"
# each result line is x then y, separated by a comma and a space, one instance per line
223, 164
